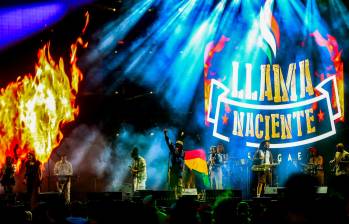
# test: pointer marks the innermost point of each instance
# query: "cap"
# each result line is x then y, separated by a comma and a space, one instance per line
179, 142
312, 149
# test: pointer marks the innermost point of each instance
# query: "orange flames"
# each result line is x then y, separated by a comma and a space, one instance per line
33, 109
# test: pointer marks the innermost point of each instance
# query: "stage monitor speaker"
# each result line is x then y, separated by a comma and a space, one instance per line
211, 195
50, 197
190, 192
140, 195
104, 196
164, 195
143, 193
321, 190
274, 191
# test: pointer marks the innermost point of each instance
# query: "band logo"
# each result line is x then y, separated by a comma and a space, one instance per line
263, 102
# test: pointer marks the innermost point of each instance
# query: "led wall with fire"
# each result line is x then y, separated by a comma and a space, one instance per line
35, 107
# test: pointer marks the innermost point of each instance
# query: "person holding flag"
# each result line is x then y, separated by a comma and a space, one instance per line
175, 172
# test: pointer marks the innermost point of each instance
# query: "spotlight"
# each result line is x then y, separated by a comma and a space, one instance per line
151, 133
151, 92
115, 52
116, 92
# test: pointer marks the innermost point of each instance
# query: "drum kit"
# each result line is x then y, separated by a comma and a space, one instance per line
310, 168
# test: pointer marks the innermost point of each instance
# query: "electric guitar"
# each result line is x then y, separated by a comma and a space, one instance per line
340, 167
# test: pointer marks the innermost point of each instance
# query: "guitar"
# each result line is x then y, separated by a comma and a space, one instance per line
340, 167
133, 171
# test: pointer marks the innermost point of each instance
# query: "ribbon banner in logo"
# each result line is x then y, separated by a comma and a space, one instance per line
285, 125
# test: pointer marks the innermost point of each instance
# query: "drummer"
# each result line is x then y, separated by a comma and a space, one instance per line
316, 165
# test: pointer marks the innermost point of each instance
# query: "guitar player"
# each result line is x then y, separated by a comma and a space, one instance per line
340, 162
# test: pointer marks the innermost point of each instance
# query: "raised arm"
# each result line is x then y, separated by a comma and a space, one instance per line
168, 141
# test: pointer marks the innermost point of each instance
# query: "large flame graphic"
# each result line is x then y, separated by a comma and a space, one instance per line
34, 108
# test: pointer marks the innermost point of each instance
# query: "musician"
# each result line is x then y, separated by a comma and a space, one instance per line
32, 178
63, 170
7, 175
177, 163
316, 164
215, 162
138, 170
340, 161
263, 156
225, 167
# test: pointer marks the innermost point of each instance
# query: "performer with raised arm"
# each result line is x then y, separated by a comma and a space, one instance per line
262, 163
138, 170
63, 170
177, 163
340, 162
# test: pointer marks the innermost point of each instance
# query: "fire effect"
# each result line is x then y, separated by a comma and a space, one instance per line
33, 109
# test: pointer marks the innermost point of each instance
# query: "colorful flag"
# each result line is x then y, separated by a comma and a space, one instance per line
195, 160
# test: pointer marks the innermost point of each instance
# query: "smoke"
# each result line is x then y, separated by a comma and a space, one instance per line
89, 151
101, 163
152, 148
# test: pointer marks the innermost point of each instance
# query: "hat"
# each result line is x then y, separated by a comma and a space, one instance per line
340, 145
134, 152
312, 149
180, 138
179, 142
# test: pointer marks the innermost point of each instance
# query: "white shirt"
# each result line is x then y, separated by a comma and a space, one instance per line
63, 168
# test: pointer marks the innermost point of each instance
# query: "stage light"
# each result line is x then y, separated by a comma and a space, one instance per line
15, 25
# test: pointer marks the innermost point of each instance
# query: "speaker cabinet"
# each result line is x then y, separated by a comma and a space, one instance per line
104, 196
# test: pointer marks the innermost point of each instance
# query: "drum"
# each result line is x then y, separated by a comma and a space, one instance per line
310, 169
